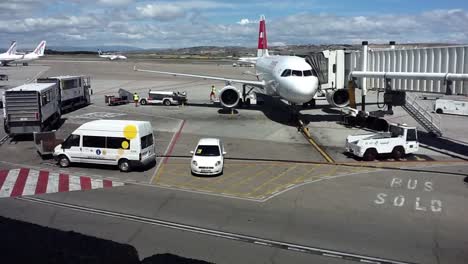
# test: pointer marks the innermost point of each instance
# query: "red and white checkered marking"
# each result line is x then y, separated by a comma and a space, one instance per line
19, 182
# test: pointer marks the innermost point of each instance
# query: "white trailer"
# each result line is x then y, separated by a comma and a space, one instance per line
447, 106
31, 108
399, 141
75, 91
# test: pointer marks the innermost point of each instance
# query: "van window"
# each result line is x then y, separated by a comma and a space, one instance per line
72, 141
146, 141
117, 143
94, 142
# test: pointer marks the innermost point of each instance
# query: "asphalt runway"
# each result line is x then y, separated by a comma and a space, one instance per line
277, 188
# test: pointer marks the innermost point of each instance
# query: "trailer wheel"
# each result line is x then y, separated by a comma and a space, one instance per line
370, 154
167, 102
124, 165
439, 111
63, 161
143, 102
398, 152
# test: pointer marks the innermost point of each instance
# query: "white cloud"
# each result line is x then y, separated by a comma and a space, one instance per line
115, 2
161, 11
246, 21
172, 10
140, 25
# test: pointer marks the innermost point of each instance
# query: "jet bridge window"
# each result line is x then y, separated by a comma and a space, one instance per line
286, 73
307, 73
296, 73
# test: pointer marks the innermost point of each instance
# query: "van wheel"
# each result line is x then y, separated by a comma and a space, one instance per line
167, 102
143, 102
63, 161
398, 152
439, 111
124, 165
370, 155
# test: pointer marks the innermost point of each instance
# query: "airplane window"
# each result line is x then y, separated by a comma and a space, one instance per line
308, 73
286, 73
296, 73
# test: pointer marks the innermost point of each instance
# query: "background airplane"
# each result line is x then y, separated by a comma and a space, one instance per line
10, 55
36, 54
288, 77
111, 56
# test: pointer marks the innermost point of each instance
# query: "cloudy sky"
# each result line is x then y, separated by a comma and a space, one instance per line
180, 23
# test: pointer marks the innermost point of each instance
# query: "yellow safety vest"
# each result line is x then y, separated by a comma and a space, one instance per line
135, 97
213, 90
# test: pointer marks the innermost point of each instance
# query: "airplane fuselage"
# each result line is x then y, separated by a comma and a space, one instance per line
113, 57
28, 58
296, 86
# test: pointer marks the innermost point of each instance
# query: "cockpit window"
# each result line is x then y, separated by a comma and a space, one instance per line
308, 73
286, 73
296, 73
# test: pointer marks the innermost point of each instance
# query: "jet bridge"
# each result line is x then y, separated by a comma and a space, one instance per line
333, 67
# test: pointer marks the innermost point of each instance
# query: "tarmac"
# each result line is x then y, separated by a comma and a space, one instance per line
277, 184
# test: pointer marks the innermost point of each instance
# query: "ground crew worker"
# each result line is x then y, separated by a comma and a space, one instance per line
136, 98
213, 93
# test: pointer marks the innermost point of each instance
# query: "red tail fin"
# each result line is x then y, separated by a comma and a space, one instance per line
262, 39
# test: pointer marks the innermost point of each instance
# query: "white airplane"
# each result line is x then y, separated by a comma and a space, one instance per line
288, 77
111, 56
10, 55
36, 54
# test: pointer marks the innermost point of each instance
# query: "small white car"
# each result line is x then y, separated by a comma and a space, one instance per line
208, 157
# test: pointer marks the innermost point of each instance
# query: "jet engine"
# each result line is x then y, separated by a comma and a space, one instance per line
338, 97
229, 96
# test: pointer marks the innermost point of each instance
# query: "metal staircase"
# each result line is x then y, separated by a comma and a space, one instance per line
429, 121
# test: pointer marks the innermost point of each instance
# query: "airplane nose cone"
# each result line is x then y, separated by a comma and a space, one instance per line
301, 90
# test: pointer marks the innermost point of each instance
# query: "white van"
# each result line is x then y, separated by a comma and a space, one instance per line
456, 107
113, 142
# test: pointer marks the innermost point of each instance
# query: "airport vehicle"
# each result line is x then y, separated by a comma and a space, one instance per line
208, 157
447, 106
31, 108
399, 141
288, 77
36, 106
111, 56
35, 55
75, 91
164, 97
3, 77
124, 143
124, 97
10, 55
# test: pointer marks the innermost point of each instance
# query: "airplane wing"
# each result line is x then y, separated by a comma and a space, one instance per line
259, 84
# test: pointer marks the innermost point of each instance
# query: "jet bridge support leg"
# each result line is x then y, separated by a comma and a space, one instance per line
388, 88
448, 87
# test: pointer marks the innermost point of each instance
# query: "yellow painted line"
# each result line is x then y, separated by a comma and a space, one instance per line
272, 179
305, 176
246, 179
158, 175
322, 152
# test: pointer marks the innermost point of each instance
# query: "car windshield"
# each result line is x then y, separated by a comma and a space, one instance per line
206, 150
